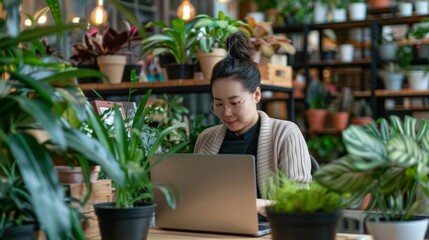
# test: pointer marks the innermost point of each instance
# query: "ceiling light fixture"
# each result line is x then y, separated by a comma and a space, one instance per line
98, 15
186, 10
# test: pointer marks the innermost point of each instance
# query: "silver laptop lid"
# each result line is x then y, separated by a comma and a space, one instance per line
218, 193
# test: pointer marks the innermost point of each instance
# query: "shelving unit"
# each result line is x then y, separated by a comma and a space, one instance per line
176, 86
367, 59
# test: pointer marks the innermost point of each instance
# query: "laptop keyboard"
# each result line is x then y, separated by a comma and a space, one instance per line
263, 225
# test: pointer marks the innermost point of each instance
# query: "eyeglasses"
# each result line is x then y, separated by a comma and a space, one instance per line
233, 107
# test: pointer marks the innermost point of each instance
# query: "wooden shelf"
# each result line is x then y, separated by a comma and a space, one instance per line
382, 93
328, 131
364, 62
408, 109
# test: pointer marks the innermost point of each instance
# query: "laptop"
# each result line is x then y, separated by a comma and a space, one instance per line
217, 194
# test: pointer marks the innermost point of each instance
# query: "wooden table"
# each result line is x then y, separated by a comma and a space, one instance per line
156, 234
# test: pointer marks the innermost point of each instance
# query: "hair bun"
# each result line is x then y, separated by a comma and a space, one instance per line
239, 46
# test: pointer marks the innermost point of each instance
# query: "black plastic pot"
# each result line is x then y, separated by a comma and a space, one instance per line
180, 71
128, 69
22, 232
89, 79
303, 226
123, 223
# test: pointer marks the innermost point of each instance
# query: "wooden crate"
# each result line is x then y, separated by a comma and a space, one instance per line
276, 74
101, 192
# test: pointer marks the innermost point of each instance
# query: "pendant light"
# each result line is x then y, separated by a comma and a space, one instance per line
98, 15
186, 10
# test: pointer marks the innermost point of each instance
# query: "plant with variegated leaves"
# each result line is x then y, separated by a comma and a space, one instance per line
389, 160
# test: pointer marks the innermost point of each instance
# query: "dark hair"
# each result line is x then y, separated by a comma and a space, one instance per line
238, 63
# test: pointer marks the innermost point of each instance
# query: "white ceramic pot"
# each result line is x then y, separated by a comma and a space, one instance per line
392, 81
418, 79
339, 15
346, 52
405, 8
387, 51
422, 7
406, 230
112, 66
357, 11
320, 12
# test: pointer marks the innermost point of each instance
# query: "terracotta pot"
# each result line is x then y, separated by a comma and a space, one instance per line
377, 4
113, 67
209, 60
68, 174
316, 118
340, 120
361, 120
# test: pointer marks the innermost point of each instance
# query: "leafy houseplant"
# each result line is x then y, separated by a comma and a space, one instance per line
361, 113
297, 208
130, 215
106, 50
392, 76
340, 109
317, 99
32, 101
212, 43
389, 161
326, 148
179, 40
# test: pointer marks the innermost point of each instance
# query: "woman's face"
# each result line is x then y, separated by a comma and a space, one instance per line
234, 105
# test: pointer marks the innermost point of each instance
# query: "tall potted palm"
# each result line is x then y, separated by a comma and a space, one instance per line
127, 141
31, 100
390, 161
179, 40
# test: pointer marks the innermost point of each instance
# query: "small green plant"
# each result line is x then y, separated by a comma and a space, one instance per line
326, 148
342, 103
317, 97
289, 196
338, 4
361, 109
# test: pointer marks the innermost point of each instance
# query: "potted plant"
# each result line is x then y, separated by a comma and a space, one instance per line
297, 208
405, 8
211, 47
329, 45
326, 148
37, 103
317, 99
320, 11
296, 12
357, 10
105, 48
361, 113
130, 215
392, 76
388, 160
339, 12
179, 40
418, 76
387, 47
266, 44
340, 109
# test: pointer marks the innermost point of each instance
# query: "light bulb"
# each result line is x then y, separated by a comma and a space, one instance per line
186, 10
42, 19
98, 15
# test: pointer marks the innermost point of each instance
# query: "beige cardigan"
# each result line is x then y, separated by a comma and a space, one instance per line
280, 146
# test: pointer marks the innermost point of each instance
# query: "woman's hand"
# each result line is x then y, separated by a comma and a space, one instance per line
261, 204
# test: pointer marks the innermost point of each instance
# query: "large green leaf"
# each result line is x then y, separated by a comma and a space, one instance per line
361, 144
94, 151
41, 180
403, 151
35, 33
340, 175
44, 116
55, 8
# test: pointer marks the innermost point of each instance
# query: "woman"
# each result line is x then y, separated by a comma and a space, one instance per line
277, 145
